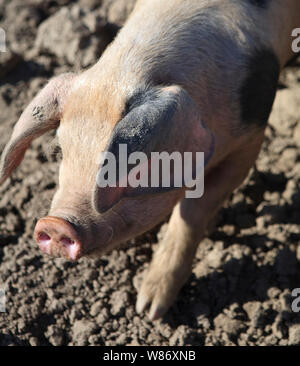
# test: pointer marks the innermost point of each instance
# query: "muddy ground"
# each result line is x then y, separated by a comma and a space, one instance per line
240, 289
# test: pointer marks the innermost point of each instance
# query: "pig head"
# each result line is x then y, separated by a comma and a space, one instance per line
86, 219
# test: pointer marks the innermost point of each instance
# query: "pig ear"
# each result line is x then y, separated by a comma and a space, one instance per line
158, 120
41, 115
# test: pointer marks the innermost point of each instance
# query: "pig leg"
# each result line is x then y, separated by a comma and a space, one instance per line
172, 262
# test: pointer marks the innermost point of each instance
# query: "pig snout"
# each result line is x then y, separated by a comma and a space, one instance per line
61, 237
56, 236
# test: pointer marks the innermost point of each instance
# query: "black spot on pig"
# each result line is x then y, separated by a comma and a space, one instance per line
138, 98
260, 3
259, 88
38, 113
146, 123
146, 118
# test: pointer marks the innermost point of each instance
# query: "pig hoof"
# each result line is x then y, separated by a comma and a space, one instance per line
157, 292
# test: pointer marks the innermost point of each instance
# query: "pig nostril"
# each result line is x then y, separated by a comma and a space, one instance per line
71, 247
43, 237
67, 241
44, 241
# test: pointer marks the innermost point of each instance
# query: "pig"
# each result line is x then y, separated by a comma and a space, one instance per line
193, 75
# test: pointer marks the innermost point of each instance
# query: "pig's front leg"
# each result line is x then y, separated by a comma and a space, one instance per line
172, 262
170, 266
